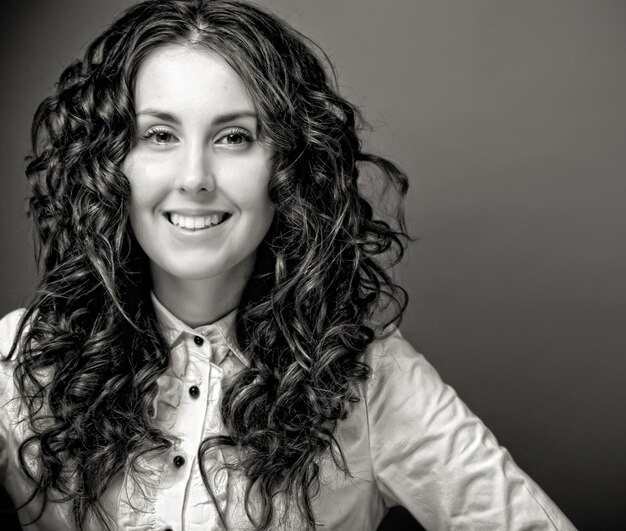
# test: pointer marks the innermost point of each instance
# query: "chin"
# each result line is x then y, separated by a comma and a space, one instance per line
195, 273
200, 269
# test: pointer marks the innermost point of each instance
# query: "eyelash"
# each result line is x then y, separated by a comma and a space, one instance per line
152, 132
238, 132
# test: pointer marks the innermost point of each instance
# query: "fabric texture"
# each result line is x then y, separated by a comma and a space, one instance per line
409, 441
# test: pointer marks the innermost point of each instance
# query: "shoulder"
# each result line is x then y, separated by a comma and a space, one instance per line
8, 328
389, 342
404, 388
426, 445
393, 359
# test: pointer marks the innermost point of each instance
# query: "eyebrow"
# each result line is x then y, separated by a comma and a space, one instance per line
219, 120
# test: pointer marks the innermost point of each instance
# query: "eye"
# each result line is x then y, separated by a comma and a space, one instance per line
159, 136
235, 138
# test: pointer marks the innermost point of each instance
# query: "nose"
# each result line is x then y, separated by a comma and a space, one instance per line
196, 171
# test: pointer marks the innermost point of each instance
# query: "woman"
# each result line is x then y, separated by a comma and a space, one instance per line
213, 343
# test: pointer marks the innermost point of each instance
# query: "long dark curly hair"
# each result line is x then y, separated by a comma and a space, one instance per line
89, 350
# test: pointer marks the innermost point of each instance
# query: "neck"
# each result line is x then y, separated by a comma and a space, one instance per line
198, 302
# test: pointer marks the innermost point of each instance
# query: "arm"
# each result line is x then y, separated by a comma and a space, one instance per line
434, 457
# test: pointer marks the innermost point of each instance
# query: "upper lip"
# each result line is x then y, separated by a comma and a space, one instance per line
195, 212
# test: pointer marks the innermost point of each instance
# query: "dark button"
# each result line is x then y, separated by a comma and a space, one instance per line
194, 391
168, 529
179, 461
198, 341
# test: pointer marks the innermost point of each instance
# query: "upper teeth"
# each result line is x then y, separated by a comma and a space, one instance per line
195, 222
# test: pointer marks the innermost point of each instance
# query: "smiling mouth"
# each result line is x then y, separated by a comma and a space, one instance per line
196, 223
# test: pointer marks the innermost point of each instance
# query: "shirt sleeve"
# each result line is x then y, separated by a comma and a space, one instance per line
8, 327
434, 457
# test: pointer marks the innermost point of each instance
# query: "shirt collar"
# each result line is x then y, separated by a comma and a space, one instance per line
221, 331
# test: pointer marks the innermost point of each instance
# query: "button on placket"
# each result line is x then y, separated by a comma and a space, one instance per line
178, 461
198, 340
194, 391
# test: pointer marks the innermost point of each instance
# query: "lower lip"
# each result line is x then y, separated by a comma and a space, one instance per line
197, 232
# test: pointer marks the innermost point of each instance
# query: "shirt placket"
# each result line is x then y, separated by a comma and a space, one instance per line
201, 513
177, 493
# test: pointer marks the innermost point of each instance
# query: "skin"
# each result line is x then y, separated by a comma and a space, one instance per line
197, 154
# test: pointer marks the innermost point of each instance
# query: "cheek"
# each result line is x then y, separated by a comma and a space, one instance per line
256, 206
146, 186
247, 187
256, 198
138, 203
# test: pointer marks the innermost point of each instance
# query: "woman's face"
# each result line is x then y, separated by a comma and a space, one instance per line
198, 175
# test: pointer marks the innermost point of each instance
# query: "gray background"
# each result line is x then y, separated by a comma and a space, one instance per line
509, 118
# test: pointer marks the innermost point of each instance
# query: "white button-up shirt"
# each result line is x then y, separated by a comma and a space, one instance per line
409, 441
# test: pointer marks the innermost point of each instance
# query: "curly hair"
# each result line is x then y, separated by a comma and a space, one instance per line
319, 294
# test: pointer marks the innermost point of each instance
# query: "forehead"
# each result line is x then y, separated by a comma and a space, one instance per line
185, 78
